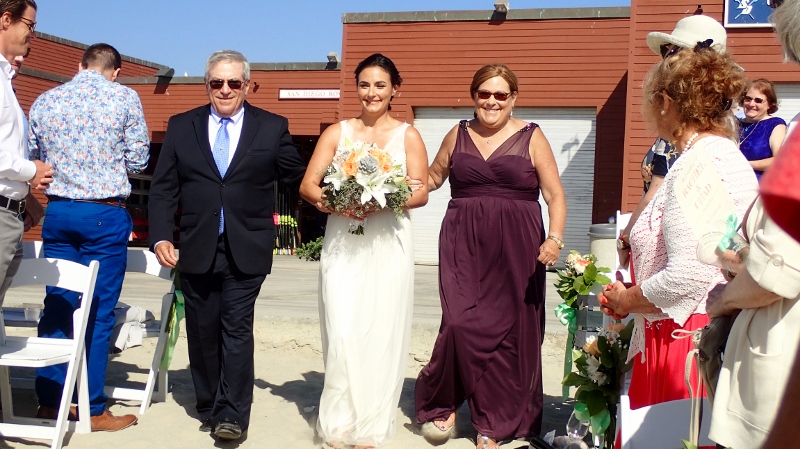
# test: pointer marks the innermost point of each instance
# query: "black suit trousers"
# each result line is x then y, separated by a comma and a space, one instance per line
220, 306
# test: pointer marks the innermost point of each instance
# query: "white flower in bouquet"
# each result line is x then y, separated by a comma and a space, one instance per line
593, 370
572, 258
609, 335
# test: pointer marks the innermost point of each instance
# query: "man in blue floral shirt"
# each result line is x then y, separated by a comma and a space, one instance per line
93, 132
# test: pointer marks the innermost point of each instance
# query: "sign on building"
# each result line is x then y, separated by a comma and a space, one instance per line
747, 13
308, 94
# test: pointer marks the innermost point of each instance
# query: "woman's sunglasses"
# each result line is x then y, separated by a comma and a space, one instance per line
758, 100
233, 84
499, 96
668, 50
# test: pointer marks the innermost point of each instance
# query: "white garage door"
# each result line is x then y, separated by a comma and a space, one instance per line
571, 132
788, 101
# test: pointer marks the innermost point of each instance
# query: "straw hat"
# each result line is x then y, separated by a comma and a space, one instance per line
688, 32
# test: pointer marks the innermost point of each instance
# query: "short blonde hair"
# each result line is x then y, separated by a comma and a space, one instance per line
702, 84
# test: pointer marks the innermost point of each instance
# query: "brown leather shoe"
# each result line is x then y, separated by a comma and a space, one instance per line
110, 423
52, 413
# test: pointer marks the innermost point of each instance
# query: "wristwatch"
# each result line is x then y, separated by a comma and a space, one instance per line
558, 241
621, 244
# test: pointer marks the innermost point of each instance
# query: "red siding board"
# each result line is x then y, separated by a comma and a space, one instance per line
559, 63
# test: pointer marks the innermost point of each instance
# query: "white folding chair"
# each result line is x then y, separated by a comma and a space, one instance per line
660, 426
155, 389
35, 352
144, 261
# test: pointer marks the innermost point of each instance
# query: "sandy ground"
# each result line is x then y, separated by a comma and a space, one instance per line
289, 378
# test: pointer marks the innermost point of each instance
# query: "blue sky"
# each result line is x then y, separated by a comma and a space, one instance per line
182, 33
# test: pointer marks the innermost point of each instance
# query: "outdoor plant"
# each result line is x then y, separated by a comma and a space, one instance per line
310, 250
599, 368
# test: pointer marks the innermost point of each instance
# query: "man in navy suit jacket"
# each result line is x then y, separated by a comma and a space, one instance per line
218, 163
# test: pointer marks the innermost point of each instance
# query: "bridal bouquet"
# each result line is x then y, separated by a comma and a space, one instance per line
362, 178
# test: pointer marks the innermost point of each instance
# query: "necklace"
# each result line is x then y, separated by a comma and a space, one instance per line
690, 142
489, 139
747, 129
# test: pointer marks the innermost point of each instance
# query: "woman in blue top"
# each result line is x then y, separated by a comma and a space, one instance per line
760, 134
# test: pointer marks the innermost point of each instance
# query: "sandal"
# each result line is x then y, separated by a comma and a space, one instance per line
438, 434
486, 441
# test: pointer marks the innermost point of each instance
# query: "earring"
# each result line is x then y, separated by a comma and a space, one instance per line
511, 114
663, 112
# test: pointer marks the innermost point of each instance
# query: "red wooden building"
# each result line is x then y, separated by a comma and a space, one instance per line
580, 73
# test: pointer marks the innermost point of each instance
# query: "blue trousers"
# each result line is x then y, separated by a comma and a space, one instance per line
82, 232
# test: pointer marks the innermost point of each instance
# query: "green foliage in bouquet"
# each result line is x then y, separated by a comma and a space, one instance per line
580, 277
310, 250
600, 366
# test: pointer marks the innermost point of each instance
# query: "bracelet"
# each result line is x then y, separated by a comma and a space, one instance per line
558, 241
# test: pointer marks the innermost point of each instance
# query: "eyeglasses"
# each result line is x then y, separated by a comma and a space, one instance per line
499, 96
758, 100
668, 50
233, 84
774, 3
29, 23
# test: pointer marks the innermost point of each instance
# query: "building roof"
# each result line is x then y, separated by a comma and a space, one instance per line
491, 15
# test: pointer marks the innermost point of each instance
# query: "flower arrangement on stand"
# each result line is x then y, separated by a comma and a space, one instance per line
362, 178
580, 279
600, 365
578, 285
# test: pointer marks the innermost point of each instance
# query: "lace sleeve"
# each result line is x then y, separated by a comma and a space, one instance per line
683, 285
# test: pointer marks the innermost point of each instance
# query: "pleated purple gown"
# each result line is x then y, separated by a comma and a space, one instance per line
492, 288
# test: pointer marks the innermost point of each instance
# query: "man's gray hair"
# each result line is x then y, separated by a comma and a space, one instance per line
227, 56
786, 19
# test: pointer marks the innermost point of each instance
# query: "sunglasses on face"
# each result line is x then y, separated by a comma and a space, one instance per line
758, 100
668, 50
233, 84
499, 96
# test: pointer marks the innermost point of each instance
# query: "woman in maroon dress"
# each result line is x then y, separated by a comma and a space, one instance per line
492, 256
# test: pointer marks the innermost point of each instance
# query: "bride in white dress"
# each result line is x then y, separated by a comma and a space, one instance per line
366, 283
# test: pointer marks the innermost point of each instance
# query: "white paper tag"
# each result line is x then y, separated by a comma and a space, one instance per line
703, 198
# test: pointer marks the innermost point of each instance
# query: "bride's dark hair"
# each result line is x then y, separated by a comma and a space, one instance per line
378, 60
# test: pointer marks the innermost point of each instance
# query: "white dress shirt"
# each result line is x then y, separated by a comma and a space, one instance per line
234, 130
15, 168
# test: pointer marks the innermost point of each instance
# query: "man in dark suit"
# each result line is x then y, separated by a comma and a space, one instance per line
218, 163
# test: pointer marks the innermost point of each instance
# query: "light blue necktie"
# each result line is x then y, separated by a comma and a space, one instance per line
220, 152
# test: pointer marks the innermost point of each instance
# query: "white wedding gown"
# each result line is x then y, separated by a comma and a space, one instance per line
366, 294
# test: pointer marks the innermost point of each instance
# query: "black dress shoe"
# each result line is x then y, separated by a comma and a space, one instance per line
205, 426
228, 430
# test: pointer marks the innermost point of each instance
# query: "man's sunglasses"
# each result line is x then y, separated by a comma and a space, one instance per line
499, 96
233, 84
758, 100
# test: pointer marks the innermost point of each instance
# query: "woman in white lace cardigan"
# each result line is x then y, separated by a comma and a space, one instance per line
687, 98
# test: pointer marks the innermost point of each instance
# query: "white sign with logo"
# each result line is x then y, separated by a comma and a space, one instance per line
308, 94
